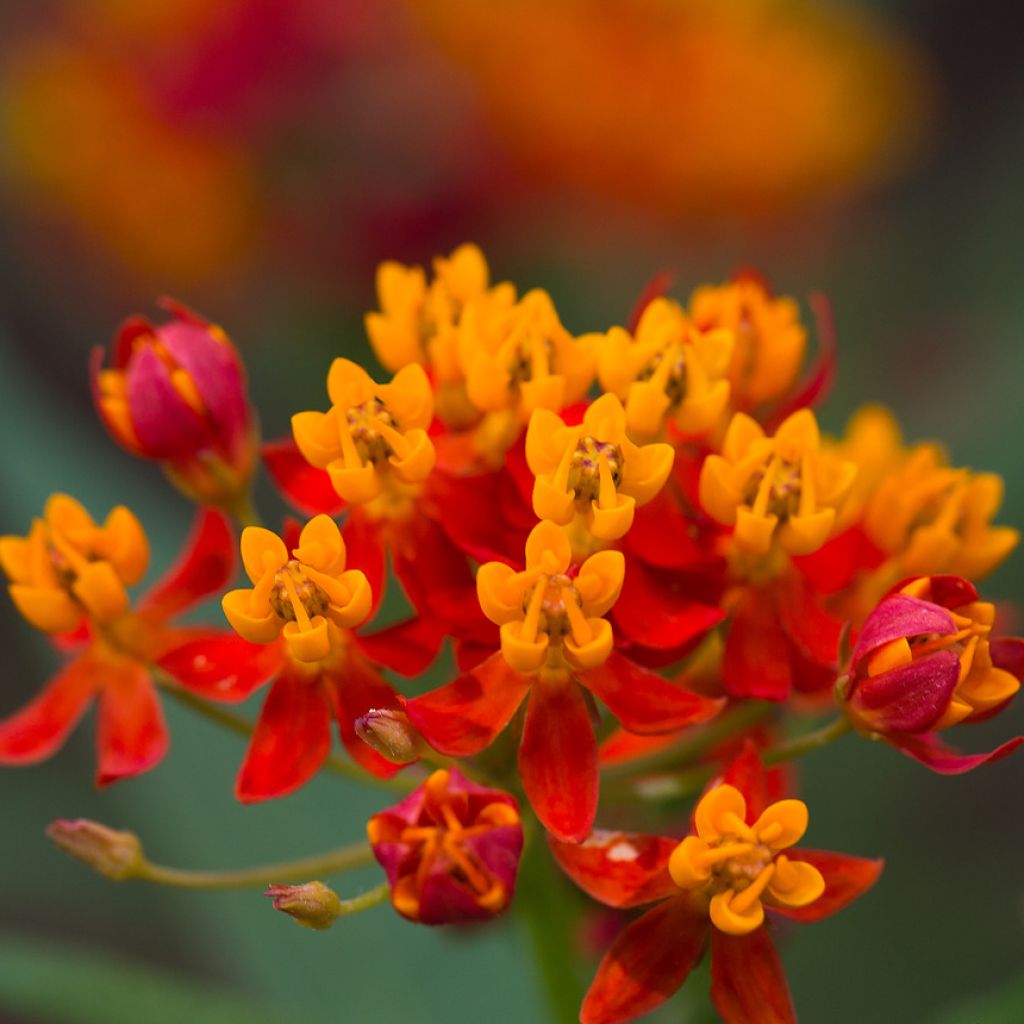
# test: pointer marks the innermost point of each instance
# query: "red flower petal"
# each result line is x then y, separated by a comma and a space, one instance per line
846, 878
833, 566
748, 985
222, 666
814, 632
930, 751
747, 773
464, 717
621, 869
661, 536
558, 759
205, 566
307, 488
647, 964
132, 736
652, 613
756, 662
357, 688
911, 698
291, 740
643, 701
622, 747
1007, 652
472, 511
365, 551
897, 616
407, 647
40, 728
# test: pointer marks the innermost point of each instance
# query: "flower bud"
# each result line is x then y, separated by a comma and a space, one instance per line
391, 734
923, 660
450, 850
312, 905
176, 393
117, 855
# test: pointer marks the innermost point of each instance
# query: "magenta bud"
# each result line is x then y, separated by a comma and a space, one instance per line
312, 905
117, 855
391, 734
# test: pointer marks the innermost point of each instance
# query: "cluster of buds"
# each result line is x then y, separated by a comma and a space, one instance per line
612, 572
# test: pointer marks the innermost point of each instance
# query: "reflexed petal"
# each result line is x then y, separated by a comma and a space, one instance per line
643, 701
465, 717
621, 869
647, 964
132, 736
365, 551
291, 740
222, 666
40, 728
358, 688
558, 759
757, 660
309, 489
748, 985
846, 878
408, 647
205, 566
930, 751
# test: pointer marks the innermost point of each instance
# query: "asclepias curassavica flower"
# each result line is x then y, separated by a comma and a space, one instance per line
652, 568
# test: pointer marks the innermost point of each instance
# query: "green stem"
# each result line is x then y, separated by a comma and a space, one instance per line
242, 510
372, 898
331, 863
809, 741
238, 724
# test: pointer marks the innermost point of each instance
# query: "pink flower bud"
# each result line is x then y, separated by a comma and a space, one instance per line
391, 734
117, 855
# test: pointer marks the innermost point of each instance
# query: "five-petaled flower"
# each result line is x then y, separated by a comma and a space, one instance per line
593, 473
782, 487
556, 648
925, 660
69, 578
450, 850
714, 885
176, 393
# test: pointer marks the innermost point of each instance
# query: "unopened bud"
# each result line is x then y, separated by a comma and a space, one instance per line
391, 734
313, 904
117, 855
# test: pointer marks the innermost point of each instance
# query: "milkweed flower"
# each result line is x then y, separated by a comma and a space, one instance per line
556, 647
296, 627
374, 436
668, 371
925, 660
450, 850
782, 488
69, 578
176, 393
593, 473
712, 889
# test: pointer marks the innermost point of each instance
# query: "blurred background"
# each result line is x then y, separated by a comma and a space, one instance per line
256, 159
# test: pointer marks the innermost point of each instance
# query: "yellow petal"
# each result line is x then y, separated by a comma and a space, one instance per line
500, 600
16, 558
595, 651
685, 866
599, 582
782, 824
754, 532
645, 470
49, 610
358, 485
127, 548
100, 590
308, 645
548, 392
348, 384
716, 493
522, 655
646, 406
714, 811
803, 535
727, 920
614, 522
321, 545
262, 551
554, 503
257, 629
359, 605
795, 883
547, 437
605, 420
548, 548
409, 398
742, 432
418, 463
316, 435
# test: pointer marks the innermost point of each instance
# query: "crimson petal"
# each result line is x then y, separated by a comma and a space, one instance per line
558, 759
898, 616
132, 735
621, 869
407, 647
40, 728
358, 688
643, 701
364, 550
465, 717
757, 659
748, 985
930, 751
911, 698
846, 878
222, 666
291, 740
204, 567
307, 488
647, 964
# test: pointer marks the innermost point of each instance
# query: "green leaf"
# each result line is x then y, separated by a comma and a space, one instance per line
1004, 1006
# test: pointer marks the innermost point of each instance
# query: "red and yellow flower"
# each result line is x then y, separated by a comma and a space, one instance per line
711, 889
450, 849
69, 578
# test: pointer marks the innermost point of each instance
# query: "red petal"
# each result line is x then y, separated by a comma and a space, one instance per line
846, 878
647, 964
814, 632
622, 747
558, 759
653, 613
464, 717
222, 666
746, 772
756, 662
643, 701
358, 688
132, 736
621, 869
165, 424
40, 728
472, 511
833, 566
364, 550
930, 751
748, 985
291, 740
661, 536
307, 488
205, 566
407, 648
1007, 652
910, 698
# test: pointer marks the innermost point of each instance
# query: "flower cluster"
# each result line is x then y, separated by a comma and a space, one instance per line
647, 559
